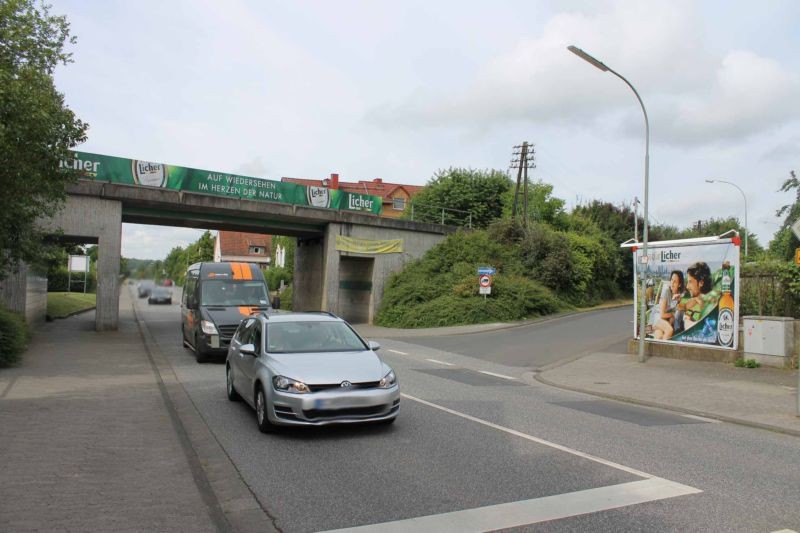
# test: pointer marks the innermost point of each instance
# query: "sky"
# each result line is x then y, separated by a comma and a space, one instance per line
400, 90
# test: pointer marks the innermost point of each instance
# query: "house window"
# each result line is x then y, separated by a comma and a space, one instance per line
398, 204
256, 250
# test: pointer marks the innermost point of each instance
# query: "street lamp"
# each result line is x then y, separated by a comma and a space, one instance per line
745, 210
602, 66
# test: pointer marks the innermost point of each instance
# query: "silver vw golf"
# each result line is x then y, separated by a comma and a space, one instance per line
309, 369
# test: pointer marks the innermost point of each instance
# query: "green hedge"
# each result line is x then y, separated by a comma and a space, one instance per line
58, 279
14, 336
770, 288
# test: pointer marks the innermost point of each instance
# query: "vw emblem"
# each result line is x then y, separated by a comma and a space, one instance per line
346, 384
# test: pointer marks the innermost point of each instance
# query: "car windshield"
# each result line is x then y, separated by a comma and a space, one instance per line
229, 293
311, 336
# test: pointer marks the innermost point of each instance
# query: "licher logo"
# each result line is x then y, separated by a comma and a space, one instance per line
150, 174
318, 196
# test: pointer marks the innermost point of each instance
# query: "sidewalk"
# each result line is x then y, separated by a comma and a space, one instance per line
87, 442
759, 397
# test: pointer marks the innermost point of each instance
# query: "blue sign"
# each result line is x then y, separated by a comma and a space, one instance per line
486, 270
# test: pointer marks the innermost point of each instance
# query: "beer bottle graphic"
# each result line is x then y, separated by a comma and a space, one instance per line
725, 324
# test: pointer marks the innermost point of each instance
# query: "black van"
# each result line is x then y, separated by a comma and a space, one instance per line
216, 297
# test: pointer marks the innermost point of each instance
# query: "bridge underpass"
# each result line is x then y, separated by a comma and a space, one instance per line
325, 277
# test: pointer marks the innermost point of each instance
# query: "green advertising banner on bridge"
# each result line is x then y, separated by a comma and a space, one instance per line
148, 174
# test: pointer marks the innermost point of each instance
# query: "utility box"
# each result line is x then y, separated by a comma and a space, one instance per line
769, 339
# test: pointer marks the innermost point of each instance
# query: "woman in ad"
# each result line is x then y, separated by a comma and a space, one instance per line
668, 315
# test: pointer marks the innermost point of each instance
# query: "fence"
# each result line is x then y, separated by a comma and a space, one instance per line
428, 212
767, 295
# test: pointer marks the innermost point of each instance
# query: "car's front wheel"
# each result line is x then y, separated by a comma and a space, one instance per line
232, 394
264, 425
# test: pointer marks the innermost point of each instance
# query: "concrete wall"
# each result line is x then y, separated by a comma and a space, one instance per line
26, 293
307, 287
96, 219
415, 244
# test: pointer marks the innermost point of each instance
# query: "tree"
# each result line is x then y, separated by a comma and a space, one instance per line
37, 129
542, 205
465, 191
784, 243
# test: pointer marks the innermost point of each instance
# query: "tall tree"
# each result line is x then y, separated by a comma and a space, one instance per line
784, 243
37, 129
462, 192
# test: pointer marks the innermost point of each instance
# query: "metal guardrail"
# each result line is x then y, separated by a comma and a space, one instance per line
443, 210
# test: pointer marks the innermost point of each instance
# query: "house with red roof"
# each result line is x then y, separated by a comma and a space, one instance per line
395, 196
243, 247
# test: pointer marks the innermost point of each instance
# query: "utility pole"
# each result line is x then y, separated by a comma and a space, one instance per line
523, 158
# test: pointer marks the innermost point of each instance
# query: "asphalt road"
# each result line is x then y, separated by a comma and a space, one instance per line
479, 446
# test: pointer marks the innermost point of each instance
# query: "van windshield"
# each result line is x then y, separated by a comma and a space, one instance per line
229, 293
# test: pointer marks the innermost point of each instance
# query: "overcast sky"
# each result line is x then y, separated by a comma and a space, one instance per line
398, 90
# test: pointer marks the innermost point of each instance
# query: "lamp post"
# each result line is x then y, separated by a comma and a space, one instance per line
643, 299
745, 210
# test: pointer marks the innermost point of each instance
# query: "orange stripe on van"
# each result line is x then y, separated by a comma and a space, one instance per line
247, 273
244, 311
236, 270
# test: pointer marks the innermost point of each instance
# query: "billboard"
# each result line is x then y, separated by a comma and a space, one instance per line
149, 174
691, 292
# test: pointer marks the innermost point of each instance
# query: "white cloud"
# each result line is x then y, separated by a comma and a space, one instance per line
692, 96
141, 241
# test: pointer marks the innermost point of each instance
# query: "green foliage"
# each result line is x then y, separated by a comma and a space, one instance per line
746, 363
286, 298
64, 304
37, 129
441, 288
14, 336
274, 275
770, 288
59, 278
479, 192
542, 206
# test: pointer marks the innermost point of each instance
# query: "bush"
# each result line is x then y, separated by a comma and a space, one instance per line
274, 275
14, 336
770, 288
58, 279
286, 298
746, 363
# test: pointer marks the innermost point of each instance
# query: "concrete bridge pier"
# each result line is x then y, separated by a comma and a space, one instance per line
98, 221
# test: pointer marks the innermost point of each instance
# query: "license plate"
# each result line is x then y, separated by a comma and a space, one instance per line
215, 341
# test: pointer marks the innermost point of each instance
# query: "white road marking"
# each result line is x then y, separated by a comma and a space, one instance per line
515, 514
703, 419
396, 351
496, 375
440, 362
785, 531
531, 437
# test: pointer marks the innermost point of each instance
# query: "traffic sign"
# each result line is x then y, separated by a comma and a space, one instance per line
491, 271
796, 228
797, 256
484, 290
485, 280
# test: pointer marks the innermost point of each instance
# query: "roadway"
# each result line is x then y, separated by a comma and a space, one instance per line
480, 445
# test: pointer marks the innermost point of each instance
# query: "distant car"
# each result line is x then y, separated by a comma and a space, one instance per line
160, 295
144, 288
309, 369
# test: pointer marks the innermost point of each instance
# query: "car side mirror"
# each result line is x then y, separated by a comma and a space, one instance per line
374, 346
249, 349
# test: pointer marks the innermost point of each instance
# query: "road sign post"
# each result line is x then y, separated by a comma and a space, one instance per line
484, 283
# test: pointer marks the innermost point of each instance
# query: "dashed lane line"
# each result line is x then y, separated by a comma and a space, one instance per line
396, 351
496, 375
440, 362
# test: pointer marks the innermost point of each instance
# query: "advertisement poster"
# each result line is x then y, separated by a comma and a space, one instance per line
691, 292
149, 174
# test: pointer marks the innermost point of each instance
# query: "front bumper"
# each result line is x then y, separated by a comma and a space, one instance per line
334, 407
213, 344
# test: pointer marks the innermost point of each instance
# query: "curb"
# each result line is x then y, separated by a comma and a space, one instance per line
645, 403
71, 314
232, 505
482, 328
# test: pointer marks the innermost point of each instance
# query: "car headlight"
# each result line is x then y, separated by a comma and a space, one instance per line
388, 381
285, 384
208, 327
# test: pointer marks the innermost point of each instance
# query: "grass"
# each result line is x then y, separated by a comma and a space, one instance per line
63, 304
